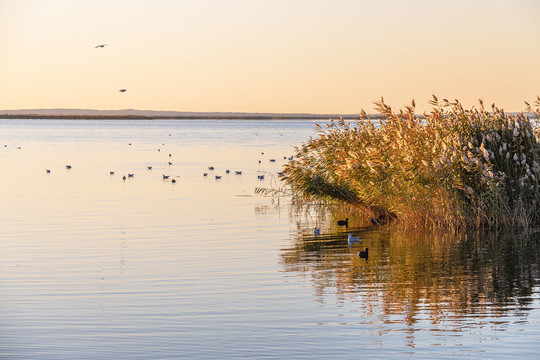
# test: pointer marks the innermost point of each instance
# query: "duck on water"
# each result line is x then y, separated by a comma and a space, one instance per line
364, 254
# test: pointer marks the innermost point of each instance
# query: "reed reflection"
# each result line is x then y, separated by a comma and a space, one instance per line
413, 277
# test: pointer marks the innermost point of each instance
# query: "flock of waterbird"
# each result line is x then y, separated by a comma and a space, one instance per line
173, 180
351, 240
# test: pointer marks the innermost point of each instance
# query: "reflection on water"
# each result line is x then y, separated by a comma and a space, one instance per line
423, 279
95, 267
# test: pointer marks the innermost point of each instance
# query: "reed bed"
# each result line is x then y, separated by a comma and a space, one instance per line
452, 167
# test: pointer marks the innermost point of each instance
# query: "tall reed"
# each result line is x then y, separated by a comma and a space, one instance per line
450, 168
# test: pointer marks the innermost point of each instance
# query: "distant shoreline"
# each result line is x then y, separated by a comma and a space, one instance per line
181, 117
195, 117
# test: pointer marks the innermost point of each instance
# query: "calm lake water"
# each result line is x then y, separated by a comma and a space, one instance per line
95, 267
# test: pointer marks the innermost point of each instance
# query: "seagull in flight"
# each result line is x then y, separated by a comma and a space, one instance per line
122, 90
100, 46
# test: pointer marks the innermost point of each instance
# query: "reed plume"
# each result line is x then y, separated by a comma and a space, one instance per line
451, 167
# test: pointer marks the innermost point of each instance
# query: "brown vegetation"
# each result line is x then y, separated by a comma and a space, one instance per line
451, 168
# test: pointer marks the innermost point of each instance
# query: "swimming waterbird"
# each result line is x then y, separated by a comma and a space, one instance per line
352, 239
364, 254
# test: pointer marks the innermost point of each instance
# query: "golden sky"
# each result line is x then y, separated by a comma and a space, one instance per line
316, 56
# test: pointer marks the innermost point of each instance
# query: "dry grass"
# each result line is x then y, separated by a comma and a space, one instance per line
453, 168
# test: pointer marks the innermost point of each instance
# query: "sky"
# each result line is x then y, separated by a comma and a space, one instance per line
280, 56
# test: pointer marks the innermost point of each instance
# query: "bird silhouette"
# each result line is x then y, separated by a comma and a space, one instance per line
100, 46
343, 222
122, 90
364, 254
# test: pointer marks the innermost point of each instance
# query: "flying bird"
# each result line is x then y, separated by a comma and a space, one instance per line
122, 90
100, 46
